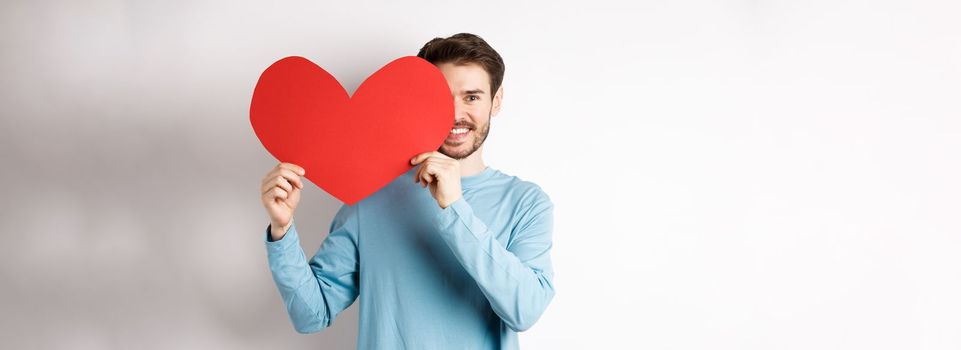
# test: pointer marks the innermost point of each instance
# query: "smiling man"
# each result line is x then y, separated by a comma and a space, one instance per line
452, 255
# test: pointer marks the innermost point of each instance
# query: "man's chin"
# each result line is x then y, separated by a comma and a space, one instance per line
456, 152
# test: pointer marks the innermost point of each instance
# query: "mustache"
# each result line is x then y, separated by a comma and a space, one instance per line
463, 125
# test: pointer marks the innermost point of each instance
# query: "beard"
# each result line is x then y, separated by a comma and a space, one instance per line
479, 137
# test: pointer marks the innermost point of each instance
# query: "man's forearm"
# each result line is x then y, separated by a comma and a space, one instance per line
518, 292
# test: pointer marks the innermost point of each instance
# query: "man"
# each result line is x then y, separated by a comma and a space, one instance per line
463, 264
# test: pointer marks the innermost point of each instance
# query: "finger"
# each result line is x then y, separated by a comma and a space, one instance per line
283, 183
293, 167
276, 193
292, 177
420, 157
441, 155
440, 163
417, 174
426, 175
422, 176
438, 168
280, 193
278, 181
271, 177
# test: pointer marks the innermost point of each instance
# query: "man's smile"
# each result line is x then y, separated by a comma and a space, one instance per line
458, 134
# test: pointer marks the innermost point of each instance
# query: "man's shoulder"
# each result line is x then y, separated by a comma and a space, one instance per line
525, 191
531, 205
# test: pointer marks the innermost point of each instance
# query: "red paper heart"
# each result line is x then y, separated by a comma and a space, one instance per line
351, 146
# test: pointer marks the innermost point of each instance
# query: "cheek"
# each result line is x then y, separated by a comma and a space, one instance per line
478, 110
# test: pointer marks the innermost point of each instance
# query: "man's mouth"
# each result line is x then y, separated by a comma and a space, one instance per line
458, 133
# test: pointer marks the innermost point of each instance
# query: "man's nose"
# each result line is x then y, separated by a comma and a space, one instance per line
459, 112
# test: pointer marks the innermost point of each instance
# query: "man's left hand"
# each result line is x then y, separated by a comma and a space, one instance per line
441, 173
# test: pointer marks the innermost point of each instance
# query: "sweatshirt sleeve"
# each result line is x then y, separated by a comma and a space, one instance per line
315, 293
516, 279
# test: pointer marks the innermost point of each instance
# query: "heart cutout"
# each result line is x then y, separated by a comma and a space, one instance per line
351, 146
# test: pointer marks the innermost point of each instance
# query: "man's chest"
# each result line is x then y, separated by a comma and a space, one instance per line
401, 243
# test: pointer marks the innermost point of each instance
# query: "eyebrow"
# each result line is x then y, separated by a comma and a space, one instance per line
473, 92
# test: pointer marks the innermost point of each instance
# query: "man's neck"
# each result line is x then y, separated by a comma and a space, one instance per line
473, 164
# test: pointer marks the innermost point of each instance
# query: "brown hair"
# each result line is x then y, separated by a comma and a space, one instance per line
465, 48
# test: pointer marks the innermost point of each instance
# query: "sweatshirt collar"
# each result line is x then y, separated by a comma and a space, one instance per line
476, 179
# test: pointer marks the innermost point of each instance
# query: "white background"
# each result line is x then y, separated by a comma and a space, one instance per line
726, 174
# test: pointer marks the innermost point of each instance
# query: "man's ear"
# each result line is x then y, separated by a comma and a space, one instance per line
496, 103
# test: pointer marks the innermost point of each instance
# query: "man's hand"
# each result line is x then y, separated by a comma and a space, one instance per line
280, 193
441, 173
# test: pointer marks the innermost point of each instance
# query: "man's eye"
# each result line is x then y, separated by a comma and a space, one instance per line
472, 97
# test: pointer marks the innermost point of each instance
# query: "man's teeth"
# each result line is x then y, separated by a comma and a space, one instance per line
458, 131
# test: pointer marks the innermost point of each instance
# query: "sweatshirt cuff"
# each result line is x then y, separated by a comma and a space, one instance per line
290, 239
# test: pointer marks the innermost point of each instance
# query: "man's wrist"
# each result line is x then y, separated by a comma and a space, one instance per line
449, 202
277, 232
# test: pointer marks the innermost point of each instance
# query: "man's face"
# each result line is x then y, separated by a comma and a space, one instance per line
474, 106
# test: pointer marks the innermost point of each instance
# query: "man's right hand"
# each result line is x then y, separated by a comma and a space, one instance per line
280, 193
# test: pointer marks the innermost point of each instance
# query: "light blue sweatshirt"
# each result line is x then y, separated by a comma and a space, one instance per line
466, 277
